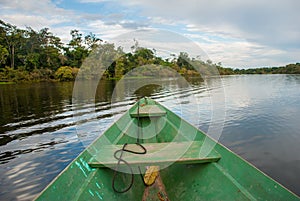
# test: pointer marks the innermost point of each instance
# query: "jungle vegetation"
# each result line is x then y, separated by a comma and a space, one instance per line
28, 55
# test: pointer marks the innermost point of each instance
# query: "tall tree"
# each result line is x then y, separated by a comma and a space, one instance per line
91, 41
76, 51
79, 47
11, 36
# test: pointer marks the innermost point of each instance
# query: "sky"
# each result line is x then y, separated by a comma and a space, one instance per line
237, 33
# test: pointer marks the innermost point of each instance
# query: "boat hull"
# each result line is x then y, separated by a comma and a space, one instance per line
229, 178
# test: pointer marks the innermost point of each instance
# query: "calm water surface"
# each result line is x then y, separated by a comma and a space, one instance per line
41, 131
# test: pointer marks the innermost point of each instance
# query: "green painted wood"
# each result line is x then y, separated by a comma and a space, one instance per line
157, 154
229, 178
148, 111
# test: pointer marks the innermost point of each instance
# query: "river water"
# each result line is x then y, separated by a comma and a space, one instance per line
42, 130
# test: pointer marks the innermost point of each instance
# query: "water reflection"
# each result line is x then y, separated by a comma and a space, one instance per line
148, 90
26, 176
41, 131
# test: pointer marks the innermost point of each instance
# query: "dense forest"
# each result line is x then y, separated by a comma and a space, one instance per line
30, 55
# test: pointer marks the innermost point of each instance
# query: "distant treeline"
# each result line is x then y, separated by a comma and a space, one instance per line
288, 69
30, 55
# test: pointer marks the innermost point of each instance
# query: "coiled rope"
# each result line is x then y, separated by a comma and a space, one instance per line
121, 151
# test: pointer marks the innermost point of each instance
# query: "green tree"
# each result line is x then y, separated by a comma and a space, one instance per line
51, 48
184, 61
91, 41
76, 51
11, 37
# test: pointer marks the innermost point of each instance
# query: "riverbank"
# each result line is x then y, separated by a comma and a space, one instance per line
67, 73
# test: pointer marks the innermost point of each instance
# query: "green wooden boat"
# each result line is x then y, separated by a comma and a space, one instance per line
165, 158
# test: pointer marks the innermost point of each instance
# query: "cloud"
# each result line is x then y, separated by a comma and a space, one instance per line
43, 7
107, 30
273, 23
34, 21
242, 54
36, 14
45, 13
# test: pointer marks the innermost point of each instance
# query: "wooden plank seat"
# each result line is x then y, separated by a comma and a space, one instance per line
157, 154
148, 111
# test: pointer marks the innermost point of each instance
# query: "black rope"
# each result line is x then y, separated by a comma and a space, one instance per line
116, 170
135, 152
127, 164
129, 151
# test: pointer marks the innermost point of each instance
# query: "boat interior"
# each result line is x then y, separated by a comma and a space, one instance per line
188, 165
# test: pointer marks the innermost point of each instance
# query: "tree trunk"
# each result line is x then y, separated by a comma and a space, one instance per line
13, 57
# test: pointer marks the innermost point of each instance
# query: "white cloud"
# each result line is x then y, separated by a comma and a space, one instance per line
225, 30
34, 21
107, 31
245, 54
36, 14
160, 20
252, 20
45, 13
43, 7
